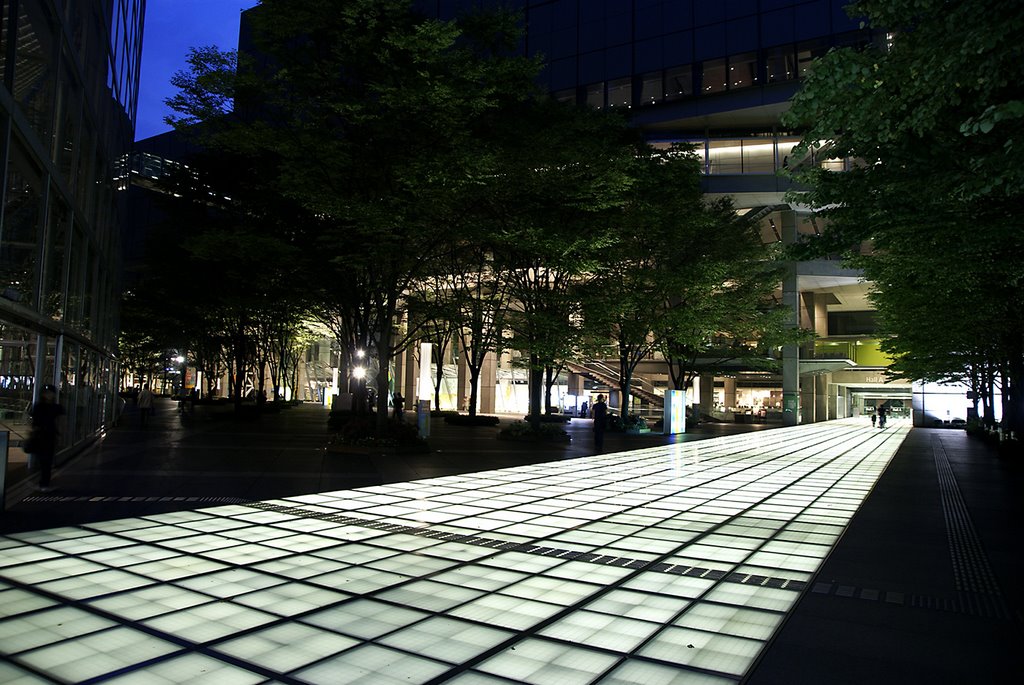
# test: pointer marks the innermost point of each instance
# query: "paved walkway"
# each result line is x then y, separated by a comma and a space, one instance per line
729, 560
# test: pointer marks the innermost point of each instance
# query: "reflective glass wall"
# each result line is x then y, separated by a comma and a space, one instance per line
69, 71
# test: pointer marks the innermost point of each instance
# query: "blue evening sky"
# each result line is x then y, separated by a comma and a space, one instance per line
171, 28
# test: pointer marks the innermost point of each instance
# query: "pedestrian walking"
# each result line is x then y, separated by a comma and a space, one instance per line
874, 418
600, 411
399, 405
882, 412
45, 414
145, 404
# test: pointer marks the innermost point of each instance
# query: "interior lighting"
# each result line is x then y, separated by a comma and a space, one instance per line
359, 373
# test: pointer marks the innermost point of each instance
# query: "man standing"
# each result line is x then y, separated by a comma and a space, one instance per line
45, 416
145, 404
600, 411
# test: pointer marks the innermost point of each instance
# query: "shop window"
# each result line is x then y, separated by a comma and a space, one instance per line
743, 70
678, 82
595, 95
18, 370
651, 88
713, 76
620, 93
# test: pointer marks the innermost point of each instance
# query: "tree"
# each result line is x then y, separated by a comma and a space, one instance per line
370, 110
561, 178
226, 268
934, 122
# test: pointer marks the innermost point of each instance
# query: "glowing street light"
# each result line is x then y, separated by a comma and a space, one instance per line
359, 373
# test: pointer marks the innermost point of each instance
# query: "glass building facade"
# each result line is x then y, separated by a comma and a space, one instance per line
70, 73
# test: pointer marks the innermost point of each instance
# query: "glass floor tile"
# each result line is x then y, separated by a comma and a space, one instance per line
664, 565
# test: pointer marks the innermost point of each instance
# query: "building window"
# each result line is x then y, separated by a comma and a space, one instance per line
678, 82
620, 93
651, 88
713, 76
758, 156
743, 70
34, 68
568, 95
595, 95
725, 157
22, 228
780, 64
807, 52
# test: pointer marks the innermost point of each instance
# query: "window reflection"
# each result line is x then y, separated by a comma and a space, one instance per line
595, 95
678, 82
651, 88
743, 70
713, 76
780, 64
34, 66
620, 93
23, 216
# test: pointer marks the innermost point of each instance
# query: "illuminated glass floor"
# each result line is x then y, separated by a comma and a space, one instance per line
664, 565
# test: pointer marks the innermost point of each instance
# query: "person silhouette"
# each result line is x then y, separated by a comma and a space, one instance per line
45, 416
600, 411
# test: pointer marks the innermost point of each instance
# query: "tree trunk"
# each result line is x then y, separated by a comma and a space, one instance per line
549, 383
536, 389
625, 382
474, 376
384, 370
439, 368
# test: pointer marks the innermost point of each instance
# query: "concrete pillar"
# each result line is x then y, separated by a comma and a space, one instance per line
707, 392
412, 370
790, 353
398, 381
462, 383
807, 399
821, 397
730, 393
488, 383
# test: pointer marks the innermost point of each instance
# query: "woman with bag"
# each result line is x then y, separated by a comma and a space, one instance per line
43, 440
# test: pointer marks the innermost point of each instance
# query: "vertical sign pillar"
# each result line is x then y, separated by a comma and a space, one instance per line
675, 412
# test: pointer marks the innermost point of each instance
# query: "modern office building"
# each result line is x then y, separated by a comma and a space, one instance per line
718, 76
70, 73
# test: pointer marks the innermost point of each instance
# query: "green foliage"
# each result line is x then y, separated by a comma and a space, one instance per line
474, 420
363, 431
935, 123
532, 431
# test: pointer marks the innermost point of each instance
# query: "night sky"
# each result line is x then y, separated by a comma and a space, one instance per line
172, 27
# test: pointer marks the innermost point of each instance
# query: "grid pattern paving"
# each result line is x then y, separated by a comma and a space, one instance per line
663, 565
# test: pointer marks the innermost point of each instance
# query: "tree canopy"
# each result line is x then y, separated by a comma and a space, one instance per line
933, 122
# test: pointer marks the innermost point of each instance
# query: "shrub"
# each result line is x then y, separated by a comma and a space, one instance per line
467, 420
528, 432
619, 424
361, 430
550, 418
